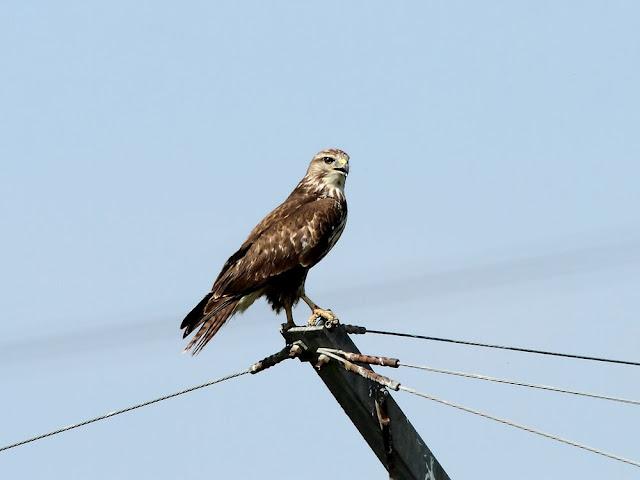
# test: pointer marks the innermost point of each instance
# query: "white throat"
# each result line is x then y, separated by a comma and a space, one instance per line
331, 184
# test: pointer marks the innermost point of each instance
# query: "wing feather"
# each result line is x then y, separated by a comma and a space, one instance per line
289, 237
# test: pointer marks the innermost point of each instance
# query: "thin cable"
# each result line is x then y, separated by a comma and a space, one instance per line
521, 427
335, 355
504, 347
520, 384
501, 420
124, 410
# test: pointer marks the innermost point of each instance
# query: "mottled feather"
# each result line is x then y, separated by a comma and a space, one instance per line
276, 256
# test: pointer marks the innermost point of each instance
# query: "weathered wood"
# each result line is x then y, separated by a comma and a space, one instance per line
397, 445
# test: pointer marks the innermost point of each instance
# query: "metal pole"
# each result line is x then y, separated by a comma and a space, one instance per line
370, 407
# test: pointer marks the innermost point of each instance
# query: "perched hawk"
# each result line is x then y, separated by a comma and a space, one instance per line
276, 257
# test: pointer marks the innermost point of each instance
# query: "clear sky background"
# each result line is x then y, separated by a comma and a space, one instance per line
493, 196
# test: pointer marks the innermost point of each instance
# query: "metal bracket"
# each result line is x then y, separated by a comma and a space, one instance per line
385, 427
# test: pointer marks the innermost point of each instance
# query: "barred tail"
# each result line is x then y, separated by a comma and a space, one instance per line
210, 314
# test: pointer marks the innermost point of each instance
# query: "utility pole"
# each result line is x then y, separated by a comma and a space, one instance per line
369, 406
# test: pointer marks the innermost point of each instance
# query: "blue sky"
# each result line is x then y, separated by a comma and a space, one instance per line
493, 196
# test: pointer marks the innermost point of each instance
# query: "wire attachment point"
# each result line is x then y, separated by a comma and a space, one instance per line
322, 360
289, 351
354, 329
368, 359
362, 371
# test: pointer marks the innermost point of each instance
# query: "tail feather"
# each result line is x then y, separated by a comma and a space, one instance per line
195, 317
218, 310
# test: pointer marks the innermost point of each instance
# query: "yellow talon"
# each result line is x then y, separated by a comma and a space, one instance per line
320, 316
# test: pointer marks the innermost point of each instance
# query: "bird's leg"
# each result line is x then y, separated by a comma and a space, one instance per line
289, 312
319, 313
308, 301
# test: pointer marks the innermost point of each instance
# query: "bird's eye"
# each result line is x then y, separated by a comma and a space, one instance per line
328, 159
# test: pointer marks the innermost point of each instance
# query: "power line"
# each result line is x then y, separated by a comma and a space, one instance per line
521, 427
398, 386
124, 410
289, 351
520, 384
357, 329
395, 363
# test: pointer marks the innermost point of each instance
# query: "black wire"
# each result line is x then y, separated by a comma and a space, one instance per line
124, 410
504, 347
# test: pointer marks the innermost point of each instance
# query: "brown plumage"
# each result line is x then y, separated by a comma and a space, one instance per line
275, 258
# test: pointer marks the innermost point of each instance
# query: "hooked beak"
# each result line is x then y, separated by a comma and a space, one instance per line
343, 167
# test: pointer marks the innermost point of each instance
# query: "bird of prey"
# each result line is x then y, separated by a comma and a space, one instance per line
274, 260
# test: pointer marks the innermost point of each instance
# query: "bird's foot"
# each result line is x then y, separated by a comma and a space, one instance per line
286, 326
324, 317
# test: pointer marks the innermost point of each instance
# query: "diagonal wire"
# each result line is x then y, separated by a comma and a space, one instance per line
124, 410
520, 384
399, 386
521, 427
395, 363
501, 347
289, 351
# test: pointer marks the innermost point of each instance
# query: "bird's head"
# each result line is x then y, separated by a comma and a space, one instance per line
329, 169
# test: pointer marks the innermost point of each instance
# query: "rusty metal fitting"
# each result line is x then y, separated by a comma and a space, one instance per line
383, 418
371, 375
371, 359
385, 427
368, 359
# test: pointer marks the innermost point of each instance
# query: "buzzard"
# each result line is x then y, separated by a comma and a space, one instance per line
274, 260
